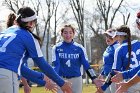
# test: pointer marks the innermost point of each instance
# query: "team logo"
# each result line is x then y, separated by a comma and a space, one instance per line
61, 50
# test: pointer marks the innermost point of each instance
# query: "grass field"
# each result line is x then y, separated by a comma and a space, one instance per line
86, 89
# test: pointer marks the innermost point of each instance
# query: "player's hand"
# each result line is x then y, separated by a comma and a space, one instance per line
98, 82
117, 78
123, 87
27, 89
99, 90
50, 85
100, 77
66, 88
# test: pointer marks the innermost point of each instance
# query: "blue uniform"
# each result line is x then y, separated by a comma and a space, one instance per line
15, 43
130, 73
68, 58
121, 56
34, 76
108, 58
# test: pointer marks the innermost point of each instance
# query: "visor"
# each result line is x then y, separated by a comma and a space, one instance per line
119, 34
28, 19
110, 33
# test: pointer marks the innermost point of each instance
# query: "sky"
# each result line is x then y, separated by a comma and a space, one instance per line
133, 4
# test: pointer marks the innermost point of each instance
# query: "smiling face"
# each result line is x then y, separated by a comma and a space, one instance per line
109, 40
31, 25
138, 25
67, 34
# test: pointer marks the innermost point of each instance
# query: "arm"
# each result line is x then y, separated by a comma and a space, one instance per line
90, 72
33, 76
27, 88
125, 85
130, 73
33, 48
117, 65
38, 78
125, 74
55, 59
48, 70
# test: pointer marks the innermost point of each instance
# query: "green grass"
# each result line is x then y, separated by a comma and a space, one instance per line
86, 89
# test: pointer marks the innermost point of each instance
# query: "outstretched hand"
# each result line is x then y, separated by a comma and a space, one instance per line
117, 78
50, 85
66, 88
123, 87
99, 90
98, 82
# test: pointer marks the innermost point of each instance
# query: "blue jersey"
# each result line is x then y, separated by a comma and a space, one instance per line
15, 43
138, 73
108, 58
121, 56
34, 76
68, 58
130, 73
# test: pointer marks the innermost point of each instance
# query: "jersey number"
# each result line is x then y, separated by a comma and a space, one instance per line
68, 63
134, 58
6, 39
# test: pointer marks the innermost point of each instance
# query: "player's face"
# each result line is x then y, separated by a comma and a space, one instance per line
138, 23
31, 25
138, 26
67, 34
109, 40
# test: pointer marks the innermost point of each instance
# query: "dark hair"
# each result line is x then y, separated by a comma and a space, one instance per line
23, 13
73, 29
126, 29
138, 14
10, 20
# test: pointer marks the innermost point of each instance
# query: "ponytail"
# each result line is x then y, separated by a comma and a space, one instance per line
10, 20
129, 49
126, 29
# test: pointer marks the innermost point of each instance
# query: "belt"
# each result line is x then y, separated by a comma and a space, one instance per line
69, 77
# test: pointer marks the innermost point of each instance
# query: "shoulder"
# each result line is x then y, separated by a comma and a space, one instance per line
78, 45
115, 46
57, 45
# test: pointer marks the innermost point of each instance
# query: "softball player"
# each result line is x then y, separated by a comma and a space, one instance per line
39, 77
15, 42
127, 54
68, 56
108, 57
134, 74
130, 73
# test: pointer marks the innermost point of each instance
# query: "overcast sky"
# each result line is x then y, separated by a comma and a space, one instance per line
133, 4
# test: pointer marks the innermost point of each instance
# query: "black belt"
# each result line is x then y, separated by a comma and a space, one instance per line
69, 77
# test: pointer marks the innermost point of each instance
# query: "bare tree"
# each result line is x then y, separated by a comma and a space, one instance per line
57, 20
104, 7
14, 5
39, 7
78, 11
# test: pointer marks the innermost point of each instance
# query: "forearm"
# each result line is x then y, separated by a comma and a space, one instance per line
34, 76
49, 71
133, 81
130, 73
24, 81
